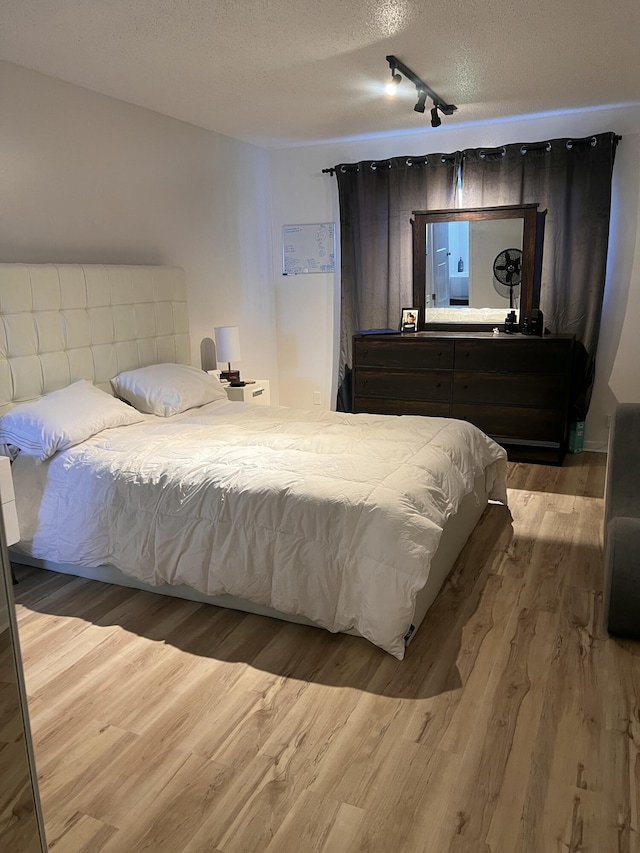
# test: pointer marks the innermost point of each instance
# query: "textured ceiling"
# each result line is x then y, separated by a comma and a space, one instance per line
276, 72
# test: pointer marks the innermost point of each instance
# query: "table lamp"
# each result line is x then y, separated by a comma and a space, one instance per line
228, 349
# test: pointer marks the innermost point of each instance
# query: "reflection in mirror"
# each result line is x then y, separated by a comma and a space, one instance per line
21, 827
475, 265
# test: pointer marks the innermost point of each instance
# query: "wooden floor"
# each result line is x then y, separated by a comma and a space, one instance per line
512, 725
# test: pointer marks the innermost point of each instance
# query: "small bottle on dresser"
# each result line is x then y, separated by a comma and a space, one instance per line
510, 323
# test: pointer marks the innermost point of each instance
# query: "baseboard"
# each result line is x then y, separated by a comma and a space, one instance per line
595, 446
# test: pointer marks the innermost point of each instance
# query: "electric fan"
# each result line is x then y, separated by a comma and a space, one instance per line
507, 272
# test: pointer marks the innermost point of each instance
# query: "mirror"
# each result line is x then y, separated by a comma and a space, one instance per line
21, 827
473, 266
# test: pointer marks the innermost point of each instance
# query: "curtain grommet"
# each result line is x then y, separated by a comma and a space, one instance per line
541, 146
483, 153
571, 142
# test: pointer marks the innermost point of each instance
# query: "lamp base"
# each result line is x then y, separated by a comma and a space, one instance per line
229, 375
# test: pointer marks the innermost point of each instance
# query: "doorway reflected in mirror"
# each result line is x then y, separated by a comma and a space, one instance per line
460, 259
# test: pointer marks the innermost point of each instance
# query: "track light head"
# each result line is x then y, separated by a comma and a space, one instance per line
392, 85
422, 97
436, 121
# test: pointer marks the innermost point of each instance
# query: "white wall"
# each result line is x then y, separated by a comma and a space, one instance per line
307, 305
617, 369
90, 179
487, 239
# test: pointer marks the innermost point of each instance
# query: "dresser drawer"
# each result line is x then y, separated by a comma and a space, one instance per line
399, 352
382, 406
517, 355
513, 387
545, 391
403, 384
513, 422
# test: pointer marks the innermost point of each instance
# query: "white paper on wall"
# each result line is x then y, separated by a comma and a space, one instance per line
309, 248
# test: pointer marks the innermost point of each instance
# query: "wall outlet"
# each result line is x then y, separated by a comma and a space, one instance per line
317, 399
608, 420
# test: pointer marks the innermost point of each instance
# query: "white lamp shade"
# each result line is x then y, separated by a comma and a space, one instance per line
227, 343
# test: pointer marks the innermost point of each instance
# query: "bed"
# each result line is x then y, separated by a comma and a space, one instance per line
347, 522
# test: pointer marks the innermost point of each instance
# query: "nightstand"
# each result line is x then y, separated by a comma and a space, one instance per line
8, 499
259, 392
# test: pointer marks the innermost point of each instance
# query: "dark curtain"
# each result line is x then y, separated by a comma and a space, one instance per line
571, 179
376, 202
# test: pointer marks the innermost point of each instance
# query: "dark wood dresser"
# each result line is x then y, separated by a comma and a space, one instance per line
514, 387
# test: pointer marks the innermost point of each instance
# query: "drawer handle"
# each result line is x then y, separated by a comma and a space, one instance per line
464, 387
364, 381
438, 384
467, 354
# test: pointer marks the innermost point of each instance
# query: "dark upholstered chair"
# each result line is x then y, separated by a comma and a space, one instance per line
622, 523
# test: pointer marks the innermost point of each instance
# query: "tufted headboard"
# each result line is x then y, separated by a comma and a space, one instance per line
64, 322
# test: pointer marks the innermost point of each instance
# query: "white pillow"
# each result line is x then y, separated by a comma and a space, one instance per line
63, 418
167, 389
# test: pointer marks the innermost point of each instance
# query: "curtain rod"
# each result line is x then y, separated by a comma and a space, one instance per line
525, 147
408, 161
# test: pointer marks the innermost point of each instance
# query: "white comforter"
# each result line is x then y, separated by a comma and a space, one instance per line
332, 516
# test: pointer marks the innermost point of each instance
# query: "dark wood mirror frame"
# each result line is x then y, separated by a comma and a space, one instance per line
532, 240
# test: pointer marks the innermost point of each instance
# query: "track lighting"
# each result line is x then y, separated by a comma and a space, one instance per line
392, 85
423, 90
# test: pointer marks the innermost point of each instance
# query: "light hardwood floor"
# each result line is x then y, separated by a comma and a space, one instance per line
512, 725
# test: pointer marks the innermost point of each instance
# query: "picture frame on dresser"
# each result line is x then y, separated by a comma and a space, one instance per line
409, 320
